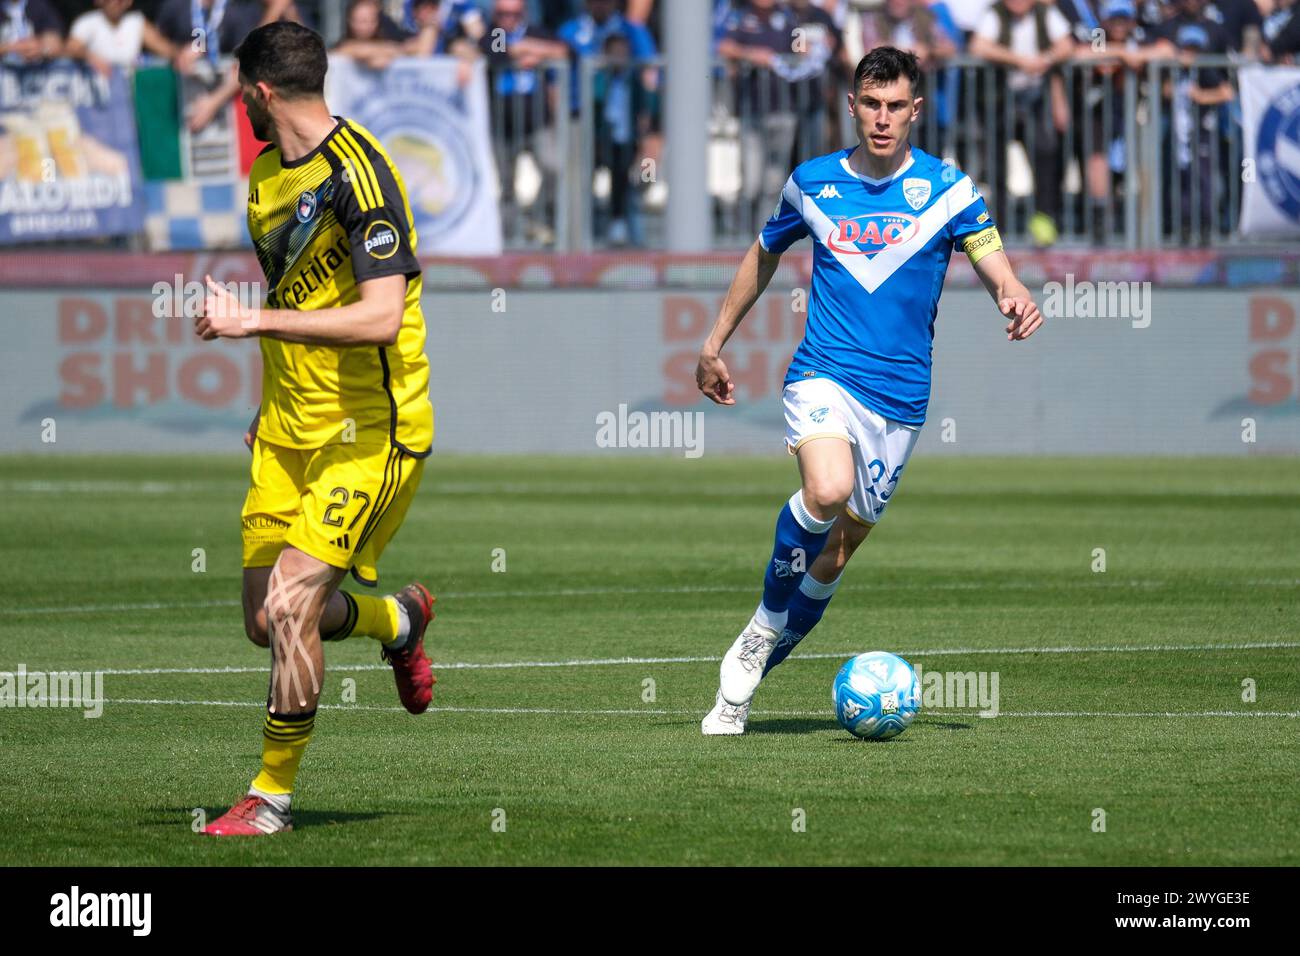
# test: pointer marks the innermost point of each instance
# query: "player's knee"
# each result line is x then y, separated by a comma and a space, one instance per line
255, 627
277, 611
825, 495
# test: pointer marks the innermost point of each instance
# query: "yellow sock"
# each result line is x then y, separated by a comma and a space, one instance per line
376, 617
284, 739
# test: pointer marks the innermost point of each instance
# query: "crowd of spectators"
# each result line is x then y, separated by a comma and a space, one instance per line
785, 64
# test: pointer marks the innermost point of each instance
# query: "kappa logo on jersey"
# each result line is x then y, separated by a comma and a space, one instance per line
916, 192
306, 206
381, 240
870, 233
829, 192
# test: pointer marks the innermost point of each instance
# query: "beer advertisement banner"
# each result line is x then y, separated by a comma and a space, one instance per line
69, 160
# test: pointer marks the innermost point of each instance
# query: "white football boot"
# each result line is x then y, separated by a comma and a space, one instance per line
742, 665
724, 720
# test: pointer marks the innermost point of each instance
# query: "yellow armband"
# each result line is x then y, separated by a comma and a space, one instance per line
980, 244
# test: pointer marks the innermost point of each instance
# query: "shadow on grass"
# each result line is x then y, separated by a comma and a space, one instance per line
788, 725
169, 816
943, 724
805, 725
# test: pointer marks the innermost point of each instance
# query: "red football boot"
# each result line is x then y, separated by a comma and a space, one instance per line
411, 669
251, 816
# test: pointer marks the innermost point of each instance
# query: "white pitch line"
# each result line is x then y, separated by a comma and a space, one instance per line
640, 712
557, 488
1291, 714
688, 589
828, 655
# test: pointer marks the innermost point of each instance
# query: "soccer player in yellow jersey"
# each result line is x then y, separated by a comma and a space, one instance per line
345, 424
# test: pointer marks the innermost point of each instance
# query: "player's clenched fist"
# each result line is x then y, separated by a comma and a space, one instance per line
223, 315
1024, 316
713, 380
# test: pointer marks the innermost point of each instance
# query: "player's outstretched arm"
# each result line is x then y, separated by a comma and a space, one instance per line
374, 320
1013, 299
755, 272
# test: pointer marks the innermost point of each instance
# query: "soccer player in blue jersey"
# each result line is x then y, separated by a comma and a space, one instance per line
884, 217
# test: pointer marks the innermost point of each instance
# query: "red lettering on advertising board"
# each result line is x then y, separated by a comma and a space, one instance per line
223, 372
679, 378
1272, 320
109, 357
81, 320
82, 387
134, 321
685, 318
130, 378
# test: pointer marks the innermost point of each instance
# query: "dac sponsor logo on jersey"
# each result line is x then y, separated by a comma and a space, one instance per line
916, 192
306, 206
873, 232
381, 240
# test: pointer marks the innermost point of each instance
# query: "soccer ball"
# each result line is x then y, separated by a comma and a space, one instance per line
876, 695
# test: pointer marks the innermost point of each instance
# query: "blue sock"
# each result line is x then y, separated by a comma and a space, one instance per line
799, 539
806, 608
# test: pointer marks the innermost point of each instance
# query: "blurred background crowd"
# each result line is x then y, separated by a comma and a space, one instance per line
1086, 121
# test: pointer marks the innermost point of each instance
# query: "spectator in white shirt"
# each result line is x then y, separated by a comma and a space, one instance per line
114, 35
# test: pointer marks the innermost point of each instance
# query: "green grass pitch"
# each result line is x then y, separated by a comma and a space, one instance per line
540, 723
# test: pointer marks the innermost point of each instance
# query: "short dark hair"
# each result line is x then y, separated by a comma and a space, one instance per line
288, 57
884, 65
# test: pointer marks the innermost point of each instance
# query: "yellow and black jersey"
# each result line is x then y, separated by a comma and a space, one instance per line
321, 225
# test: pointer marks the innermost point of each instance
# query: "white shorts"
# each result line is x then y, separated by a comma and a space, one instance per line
819, 408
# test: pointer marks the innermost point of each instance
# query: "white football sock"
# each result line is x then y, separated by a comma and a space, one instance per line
774, 620
278, 800
403, 626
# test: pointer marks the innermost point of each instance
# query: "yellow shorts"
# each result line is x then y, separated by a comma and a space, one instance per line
341, 504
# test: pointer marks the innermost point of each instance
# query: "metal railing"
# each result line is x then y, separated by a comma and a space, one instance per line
531, 129
1110, 155
1113, 156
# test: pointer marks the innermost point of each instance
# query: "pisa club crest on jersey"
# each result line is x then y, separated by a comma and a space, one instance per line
916, 192
874, 232
306, 206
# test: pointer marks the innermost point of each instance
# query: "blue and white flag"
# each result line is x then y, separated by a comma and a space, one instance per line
1270, 109
436, 131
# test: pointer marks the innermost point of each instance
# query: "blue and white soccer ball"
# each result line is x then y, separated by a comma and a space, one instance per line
876, 695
